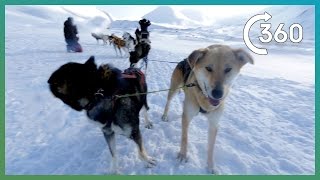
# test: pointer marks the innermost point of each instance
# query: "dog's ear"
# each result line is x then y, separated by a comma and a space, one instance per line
195, 56
90, 62
243, 56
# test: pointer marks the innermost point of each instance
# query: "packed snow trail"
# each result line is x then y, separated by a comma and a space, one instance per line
268, 126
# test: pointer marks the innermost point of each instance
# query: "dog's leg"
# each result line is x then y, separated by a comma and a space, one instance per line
212, 134
136, 136
126, 52
115, 49
189, 111
145, 60
176, 82
147, 122
111, 141
119, 48
213, 119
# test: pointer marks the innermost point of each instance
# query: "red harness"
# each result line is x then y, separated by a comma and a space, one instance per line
130, 73
133, 73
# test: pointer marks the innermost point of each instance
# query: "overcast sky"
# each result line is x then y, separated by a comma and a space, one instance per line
134, 12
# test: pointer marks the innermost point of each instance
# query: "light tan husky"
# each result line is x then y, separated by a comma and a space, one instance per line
212, 70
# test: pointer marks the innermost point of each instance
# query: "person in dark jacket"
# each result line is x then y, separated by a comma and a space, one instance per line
71, 38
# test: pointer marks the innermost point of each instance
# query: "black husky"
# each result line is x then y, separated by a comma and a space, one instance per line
141, 51
143, 47
97, 91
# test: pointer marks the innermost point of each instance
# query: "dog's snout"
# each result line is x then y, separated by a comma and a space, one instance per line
217, 92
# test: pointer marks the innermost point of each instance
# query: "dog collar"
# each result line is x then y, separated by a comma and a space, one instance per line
97, 96
201, 110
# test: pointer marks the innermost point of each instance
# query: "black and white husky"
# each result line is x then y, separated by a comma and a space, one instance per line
94, 89
142, 48
130, 42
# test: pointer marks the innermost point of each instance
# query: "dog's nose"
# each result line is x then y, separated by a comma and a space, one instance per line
217, 93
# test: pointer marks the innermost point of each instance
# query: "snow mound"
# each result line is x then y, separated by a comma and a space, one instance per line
127, 24
36, 14
98, 24
86, 12
193, 14
163, 14
168, 17
304, 15
86, 18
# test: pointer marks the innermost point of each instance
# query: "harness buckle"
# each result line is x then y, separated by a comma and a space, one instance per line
191, 85
99, 92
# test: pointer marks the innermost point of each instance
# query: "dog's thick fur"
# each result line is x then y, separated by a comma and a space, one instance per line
98, 37
118, 43
212, 69
130, 42
106, 39
141, 51
86, 87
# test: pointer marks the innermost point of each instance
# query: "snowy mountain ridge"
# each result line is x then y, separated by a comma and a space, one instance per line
304, 15
167, 16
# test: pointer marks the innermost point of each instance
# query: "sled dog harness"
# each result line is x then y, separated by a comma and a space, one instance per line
130, 73
186, 71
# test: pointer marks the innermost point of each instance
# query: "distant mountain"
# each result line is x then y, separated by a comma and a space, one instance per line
42, 13
164, 14
126, 24
167, 16
288, 15
194, 15
304, 15
86, 18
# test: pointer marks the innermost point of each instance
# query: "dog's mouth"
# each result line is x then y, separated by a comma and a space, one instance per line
213, 102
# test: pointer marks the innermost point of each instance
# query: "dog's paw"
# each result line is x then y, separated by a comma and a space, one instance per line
164, 118
150, 162
213, 171
182, 157
149, 125
115, 172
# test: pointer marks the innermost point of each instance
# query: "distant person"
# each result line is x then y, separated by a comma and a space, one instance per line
71, 37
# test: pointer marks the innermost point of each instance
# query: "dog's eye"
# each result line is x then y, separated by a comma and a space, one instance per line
227, 70
209, 69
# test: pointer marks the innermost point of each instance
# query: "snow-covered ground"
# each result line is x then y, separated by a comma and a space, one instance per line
268, 126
